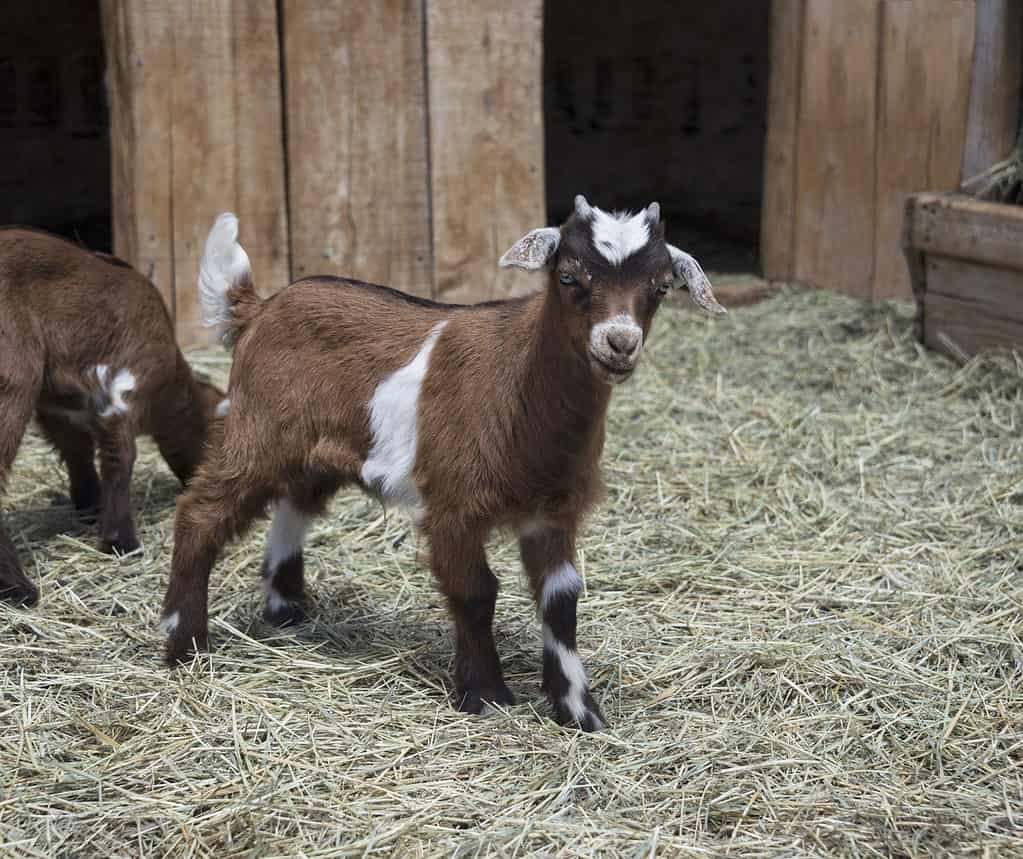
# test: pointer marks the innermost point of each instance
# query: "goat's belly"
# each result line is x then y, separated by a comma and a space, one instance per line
393, 415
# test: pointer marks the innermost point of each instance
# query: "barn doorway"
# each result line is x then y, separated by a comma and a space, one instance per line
54, 131
660, 100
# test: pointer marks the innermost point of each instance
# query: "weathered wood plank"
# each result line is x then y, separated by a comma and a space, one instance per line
925, 47
969, 229
778, 212
994, 85
835, 218
972, 307
486, 141
358, 173
200, 134
139, 49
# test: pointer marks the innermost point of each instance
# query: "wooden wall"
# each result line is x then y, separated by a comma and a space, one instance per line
868, 102
403, 141
398, 142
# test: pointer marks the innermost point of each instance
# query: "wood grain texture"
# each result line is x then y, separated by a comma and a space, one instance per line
139, 48
926, 46
486, 141
972, 307
835, 218
200, 133
356, 116
969, 229
994, 85
778, 213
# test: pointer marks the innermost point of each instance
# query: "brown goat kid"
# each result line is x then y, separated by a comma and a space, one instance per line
478, 417
87, 346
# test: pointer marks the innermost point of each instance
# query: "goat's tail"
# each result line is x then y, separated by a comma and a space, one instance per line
226, 294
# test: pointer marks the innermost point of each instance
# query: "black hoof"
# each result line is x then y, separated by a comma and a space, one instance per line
475, 701
567, 713
21, 594
121, 545
286, 613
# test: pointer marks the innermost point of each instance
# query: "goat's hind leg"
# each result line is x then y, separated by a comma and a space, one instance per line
211, 511
16, 404
460, 566
117, 460
77, 448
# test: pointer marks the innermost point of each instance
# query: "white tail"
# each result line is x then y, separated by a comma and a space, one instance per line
224, 263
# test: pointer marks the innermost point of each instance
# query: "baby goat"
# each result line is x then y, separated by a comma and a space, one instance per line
477, 417
87, 345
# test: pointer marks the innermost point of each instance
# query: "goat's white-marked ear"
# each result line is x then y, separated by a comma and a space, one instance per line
653, 213
686, 267
534, 250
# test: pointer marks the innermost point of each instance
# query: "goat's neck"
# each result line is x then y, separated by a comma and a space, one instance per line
557, 384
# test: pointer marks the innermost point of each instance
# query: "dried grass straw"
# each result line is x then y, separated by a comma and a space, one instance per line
802, 616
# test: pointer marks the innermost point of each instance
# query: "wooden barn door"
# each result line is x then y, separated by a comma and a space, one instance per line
868, 103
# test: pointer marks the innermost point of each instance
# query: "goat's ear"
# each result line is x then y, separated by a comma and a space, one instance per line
688, 269
534, 250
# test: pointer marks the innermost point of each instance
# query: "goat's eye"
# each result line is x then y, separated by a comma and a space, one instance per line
662, 288
566, 279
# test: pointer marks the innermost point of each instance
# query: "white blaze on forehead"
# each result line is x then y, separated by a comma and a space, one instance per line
564, 580
617, 236
393, 412
287, 535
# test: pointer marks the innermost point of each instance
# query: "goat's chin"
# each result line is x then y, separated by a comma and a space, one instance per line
607, 374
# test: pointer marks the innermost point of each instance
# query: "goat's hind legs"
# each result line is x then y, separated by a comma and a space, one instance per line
77, 449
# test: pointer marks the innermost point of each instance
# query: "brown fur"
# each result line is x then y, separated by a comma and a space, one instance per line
63, 311
510, 430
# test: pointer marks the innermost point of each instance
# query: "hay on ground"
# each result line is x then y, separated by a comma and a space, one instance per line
802, 617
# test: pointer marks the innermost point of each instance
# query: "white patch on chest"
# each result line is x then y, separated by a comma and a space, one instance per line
393, 412
617, 236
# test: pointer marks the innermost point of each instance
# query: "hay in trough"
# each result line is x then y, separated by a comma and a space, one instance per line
802, 616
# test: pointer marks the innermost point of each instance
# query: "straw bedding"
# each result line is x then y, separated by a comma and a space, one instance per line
802, 617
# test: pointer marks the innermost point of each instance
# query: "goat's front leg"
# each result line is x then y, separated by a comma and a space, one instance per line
117, 459
547, 555
465, 579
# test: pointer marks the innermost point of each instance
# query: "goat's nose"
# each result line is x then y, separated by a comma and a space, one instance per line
623, 341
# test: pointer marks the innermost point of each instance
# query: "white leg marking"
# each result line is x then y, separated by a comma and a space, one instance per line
393, 412
114, 389
572, 667
617, 236
222, 407
169, 623
564, 580
274, 601
286, 537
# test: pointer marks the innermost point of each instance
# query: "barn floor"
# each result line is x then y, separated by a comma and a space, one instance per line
803, 617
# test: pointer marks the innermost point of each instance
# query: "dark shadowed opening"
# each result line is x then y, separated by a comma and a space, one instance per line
661, 100
54, 131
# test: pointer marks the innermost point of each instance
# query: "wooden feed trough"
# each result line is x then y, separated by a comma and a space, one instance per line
966, 262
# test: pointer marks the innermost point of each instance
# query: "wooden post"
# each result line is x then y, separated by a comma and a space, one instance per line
778, 212
486, 141
196, 130
926, 48
994, 85
357, 150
